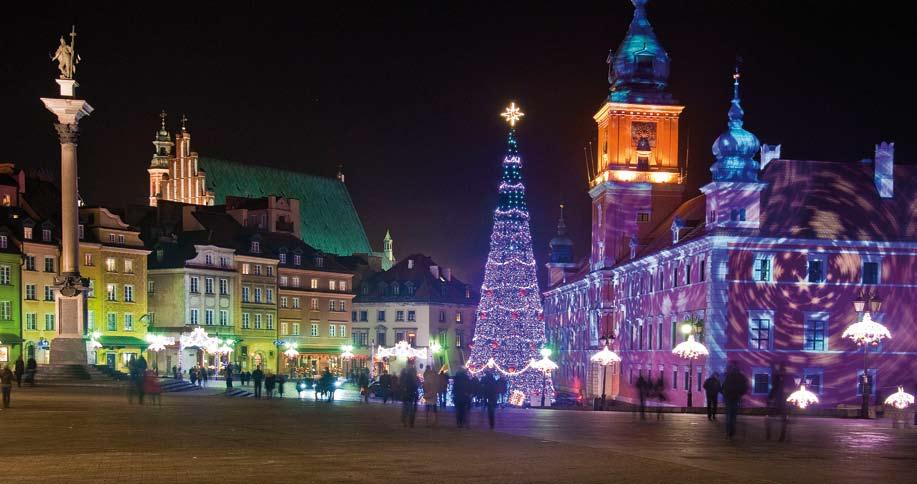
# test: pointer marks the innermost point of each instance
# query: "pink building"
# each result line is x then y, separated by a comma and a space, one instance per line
767, 260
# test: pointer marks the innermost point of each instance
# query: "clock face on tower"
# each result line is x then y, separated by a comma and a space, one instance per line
643, 129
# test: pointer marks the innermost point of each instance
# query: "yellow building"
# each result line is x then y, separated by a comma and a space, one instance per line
114, 260
258, 309
40, 258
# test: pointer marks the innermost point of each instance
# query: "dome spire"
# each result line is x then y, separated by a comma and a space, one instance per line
639, 71
561, 245
735, 149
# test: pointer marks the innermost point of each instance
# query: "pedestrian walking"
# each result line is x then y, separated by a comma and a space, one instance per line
31, 368
409, 393
192, 375
281, 379
6, 385
430, 394
363, 383
443, 387
257, 378
712, 387
228, 373
20, 369
641, 392
385, 386
269, 381
776, 403
152, 387
461, 396
735, 386
490, 390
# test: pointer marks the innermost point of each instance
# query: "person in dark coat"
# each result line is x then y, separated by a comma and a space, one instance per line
461, 396
735, 386
443, 388
491, 391
228, 372
31, 367
363, 383
257, 378
281, 379
6, 385
410, 392
20, 369
776, 403
713, 388
269, 381
641, 392
385, 386
659, 391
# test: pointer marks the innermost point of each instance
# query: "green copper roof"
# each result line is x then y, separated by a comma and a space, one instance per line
109, 341
329, 219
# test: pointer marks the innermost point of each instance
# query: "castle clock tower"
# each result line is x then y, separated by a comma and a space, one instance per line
638, 177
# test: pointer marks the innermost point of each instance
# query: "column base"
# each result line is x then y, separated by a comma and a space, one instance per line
68, 351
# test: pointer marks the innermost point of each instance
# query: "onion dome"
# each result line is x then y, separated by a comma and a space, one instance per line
561, 245
735, 149
639, 71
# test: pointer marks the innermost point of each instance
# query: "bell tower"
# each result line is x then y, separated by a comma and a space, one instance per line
159, 165
638, 171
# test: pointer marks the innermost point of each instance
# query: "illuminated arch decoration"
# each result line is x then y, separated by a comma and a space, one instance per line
198, 338
159, 342
402, 349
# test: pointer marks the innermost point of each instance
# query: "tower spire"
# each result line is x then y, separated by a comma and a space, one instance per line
735, 149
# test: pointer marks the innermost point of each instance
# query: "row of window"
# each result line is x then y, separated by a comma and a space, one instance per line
30, 263
111, 264
653, 281
31, 322
194, 285
816, 269
262, 321
363, 316
111, 321
361, 337
209, 317
31, 292
334, 305
257, 269
261, 295
295, 281
334, 330
45, 234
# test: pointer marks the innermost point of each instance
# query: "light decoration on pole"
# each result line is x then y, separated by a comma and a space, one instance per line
198, 338
545, 366
402, 349
802, 398
900, 399
866, 331
291, 352
94, 340
510, 324
347, 352
690, 349
605, 357
159, 342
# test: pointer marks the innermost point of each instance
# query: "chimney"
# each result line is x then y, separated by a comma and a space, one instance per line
447, 273
435, 271
410, 263
884, 169
769, 153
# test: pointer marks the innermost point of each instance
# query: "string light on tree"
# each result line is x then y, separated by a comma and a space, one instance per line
510, 329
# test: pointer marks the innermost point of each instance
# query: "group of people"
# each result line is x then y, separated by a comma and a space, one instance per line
734, 386
7, 376
649, 389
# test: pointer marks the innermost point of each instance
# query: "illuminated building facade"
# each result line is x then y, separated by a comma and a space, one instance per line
767, 260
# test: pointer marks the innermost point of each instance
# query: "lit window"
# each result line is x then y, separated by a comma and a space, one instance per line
255, 247
27, 233
313, 330
342, 286
112, 292
759, 332
332, 285
128, 322
313, 284
295, 329
246, 268
816, 334
295, 303
111, 265
294, 281
128, 293
224, 317
762, 268
313, 304
195, 285
342, 331
283, 301
332, 330
643, 217
458, 316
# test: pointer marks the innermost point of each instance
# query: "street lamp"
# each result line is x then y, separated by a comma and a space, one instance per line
690, 350
605, 357
802, 398
546, 366
864, 333
347, 355
435, 348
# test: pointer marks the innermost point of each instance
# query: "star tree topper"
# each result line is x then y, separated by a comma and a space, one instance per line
512, 114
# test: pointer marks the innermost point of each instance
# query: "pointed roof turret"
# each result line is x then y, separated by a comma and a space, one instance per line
639, 71
162, 143
561, 245
736, 147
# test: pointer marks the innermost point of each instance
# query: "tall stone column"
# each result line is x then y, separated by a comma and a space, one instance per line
69, 347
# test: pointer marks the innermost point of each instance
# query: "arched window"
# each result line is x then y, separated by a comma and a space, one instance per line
409, 286
396, 289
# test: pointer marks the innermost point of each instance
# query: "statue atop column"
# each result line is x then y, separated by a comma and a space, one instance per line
66, 56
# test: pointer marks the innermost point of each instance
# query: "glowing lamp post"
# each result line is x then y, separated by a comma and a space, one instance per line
864, 333
802, 398
291, 353
435, 348
900, 399
605, 357
347, 354
546, 366
690, 350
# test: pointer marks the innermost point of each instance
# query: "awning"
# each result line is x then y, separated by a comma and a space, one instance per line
319, 350
122, 342
9, 338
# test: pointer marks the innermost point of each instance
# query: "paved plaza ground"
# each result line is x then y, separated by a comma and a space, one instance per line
93, 435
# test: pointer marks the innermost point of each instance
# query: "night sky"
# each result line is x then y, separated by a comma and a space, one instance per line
408, 98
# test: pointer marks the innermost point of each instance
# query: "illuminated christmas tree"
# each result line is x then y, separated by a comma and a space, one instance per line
510, 330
